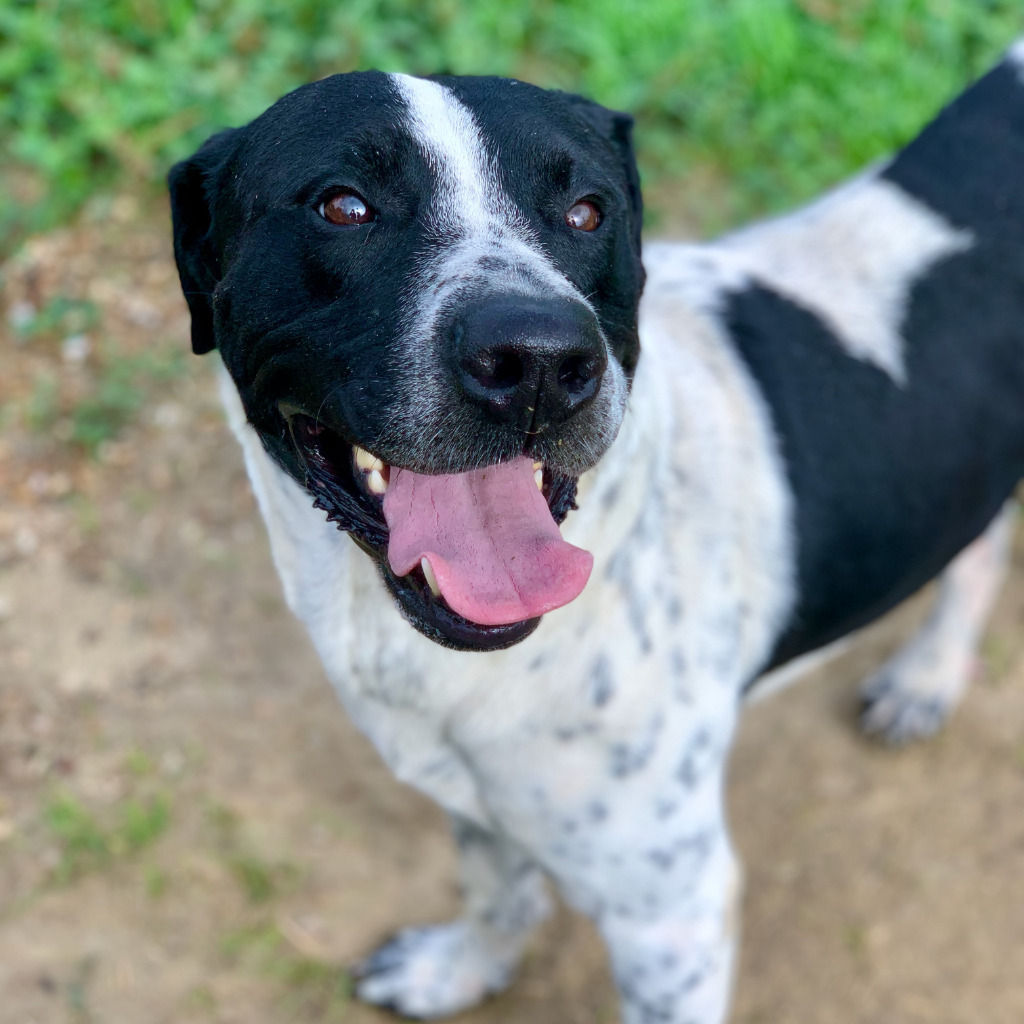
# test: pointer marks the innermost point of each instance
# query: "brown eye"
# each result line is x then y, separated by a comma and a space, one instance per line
346, 208
583, 216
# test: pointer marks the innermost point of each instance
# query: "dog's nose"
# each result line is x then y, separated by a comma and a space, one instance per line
531, 363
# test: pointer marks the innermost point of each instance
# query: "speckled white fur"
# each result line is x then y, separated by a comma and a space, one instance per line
595, 750
598, 744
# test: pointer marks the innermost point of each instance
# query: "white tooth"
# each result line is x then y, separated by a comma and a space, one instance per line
431, 578
376, 483
538, 465
538, 476
365, 461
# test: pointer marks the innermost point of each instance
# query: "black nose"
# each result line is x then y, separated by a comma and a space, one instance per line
531, 363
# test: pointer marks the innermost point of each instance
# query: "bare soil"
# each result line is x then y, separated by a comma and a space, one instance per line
190, 830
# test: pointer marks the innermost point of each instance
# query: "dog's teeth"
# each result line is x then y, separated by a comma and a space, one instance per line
365, 461
428, 572
538, 477
375, 482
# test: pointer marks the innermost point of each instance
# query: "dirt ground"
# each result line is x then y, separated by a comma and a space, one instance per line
190, 830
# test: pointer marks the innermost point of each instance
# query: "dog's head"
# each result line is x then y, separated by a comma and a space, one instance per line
426, 293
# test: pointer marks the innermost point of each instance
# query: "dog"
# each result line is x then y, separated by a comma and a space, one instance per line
426, 294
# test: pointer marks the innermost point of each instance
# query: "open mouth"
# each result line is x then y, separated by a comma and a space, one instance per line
473, 559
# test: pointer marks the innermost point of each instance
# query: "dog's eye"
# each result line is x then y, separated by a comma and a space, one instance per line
347, 208
583, 216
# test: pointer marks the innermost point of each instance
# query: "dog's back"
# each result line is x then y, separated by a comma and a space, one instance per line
884, 326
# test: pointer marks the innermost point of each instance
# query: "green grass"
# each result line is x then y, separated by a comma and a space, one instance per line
139, 764
42, 407
118, 387
261, 882
767, 99
308, 989
157, 882
87, 843
60, 316
201, 999
119, 392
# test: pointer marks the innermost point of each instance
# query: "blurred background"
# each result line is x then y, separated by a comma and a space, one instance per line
751, 103
189, 828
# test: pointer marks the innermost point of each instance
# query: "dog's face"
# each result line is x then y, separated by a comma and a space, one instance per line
423, 289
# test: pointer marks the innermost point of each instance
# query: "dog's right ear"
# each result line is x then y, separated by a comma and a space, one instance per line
192, 184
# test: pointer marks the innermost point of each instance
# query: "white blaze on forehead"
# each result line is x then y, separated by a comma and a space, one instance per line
448, 137
850, 258
469, 202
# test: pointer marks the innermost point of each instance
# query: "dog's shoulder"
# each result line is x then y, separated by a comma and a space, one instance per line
719, 502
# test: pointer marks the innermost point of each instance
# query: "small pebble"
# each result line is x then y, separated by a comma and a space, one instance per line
75, 349
21, 314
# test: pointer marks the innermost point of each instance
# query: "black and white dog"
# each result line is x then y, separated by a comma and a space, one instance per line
426, 294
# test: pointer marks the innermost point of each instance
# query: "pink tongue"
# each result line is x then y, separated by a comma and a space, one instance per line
490, 539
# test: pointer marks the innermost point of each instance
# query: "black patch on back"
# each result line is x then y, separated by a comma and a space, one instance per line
968, 164
889, 483
892, 482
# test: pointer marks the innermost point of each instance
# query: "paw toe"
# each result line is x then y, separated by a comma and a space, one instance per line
383, 959
898, 718
426, 973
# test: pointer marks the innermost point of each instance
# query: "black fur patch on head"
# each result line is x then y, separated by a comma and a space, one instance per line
315, 316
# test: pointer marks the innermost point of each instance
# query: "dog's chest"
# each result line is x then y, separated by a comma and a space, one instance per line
688, 589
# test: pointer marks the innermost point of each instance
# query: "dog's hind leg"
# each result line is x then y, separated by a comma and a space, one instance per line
442, 969
912, 695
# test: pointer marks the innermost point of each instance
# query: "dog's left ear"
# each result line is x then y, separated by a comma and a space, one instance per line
616, 128
192, 184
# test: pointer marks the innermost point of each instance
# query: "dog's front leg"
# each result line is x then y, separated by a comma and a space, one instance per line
442, 969
633, 831
673, 962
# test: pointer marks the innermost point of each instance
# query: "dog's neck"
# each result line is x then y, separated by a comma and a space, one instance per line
613, 495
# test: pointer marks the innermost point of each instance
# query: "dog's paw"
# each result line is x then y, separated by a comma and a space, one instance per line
898, 708
426, 973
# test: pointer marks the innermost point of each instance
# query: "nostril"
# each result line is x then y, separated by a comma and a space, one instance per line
495, 370
507, 370
570, 375
577, 372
